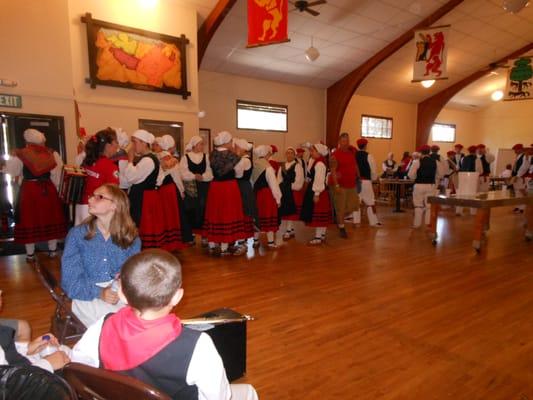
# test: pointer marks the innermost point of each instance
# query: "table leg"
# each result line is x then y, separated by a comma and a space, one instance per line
479, 228
398, 195
529, 226
433, 222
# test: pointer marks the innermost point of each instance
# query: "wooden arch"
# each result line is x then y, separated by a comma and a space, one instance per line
429, 109
211, 24
341, 92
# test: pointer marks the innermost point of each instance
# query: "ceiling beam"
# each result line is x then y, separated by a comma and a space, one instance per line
340, 93
429, 109
211, 24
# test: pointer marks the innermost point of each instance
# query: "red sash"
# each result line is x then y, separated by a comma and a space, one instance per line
38, 159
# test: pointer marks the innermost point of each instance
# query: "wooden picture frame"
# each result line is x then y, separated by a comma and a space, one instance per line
205, 134
133, 58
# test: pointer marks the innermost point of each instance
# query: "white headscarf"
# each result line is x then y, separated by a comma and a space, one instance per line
143, 135
34, 136
123, 138
166, 142
222, 138
193, 142
262, 150
243, 144
321, 148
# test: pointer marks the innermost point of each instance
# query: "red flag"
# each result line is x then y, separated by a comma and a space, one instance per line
267, 22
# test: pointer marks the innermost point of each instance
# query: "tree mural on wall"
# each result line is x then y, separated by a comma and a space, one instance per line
520, 79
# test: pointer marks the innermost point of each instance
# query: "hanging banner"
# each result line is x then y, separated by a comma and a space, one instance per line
519, 79
431, 54
267, 22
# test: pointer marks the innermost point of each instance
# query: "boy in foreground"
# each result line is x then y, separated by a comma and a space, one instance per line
146, 341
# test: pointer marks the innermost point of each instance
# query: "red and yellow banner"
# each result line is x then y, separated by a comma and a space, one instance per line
267, 22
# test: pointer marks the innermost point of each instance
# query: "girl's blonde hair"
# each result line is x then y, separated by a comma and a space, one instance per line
121, 228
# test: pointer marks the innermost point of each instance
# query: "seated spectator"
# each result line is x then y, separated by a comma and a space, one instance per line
507, 172
44, 352
95, 251
146, 341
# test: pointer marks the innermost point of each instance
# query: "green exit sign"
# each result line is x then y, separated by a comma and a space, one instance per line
10, 100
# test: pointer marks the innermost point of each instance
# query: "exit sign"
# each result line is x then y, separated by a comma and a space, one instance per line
10, 100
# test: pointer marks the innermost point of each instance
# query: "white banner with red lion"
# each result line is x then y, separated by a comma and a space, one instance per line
431, 54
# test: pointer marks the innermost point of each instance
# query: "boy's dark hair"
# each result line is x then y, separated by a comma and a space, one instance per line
150, 278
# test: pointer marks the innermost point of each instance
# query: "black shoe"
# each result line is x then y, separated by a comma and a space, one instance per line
342, 233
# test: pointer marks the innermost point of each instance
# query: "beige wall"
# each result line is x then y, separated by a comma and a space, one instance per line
467, 130
44, 48
403, 124
218, 95
505, 123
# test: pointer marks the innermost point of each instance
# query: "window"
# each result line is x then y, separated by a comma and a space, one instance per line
443, 133
376, 127
260, 116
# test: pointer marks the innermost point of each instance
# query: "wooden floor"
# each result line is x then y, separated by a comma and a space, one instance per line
382, 315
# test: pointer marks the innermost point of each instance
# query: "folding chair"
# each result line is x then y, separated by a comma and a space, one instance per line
65, 325
98, 384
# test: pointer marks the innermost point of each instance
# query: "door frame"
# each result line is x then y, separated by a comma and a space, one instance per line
62, 138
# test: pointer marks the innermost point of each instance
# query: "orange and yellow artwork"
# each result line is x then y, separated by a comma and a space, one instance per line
137, 60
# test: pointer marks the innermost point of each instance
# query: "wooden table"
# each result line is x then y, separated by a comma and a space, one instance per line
497, 182
397, 183
483, 202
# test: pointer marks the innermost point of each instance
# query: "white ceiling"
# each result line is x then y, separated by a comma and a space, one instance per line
349, 32
481, 33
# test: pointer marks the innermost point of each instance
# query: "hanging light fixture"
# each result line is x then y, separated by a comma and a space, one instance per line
497, 95
312, 53
428, 83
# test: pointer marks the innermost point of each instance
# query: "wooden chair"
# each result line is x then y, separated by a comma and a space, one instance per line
65, 325
98, 384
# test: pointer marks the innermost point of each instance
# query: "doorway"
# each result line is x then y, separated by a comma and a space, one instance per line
160, 128
12, 127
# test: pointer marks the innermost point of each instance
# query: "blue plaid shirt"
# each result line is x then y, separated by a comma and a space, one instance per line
88, 262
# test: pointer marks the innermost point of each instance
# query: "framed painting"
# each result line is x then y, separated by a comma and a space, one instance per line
135, 59
205, 134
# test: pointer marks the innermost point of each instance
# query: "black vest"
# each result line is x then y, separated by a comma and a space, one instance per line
362, 163
518, 164
137, 190
427, 170
222, 164
289, 175
246, 175
167, 370
435, 156
261, 182
197, 168
485, 165
468, 164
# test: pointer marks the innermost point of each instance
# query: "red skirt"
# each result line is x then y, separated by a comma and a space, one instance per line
321, 211
249, 229
224, 217
160, 225
39, 213
267, 210
298, 200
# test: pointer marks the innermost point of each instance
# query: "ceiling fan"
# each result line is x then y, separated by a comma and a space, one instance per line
303, 5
